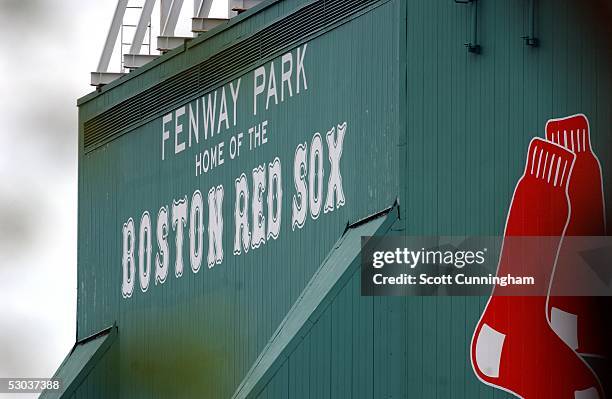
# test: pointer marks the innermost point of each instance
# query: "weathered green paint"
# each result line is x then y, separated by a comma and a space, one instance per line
443, 130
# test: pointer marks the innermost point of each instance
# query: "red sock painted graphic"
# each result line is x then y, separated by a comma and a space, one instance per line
578, 320
513, 347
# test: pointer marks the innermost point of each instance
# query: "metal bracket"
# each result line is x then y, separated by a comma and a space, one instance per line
472, 45
241, 6
473, 48
201, 21
201, 25
530, 39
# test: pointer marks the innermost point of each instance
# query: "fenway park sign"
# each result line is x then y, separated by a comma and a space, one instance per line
310, 178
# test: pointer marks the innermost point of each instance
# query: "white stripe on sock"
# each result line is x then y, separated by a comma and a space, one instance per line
535, 150
557, 173
550, 168
563, 174
539, 162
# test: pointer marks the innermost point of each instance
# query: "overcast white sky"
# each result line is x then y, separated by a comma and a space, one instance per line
48, 49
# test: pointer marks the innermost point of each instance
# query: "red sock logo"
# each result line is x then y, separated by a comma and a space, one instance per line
579, 320
513, 347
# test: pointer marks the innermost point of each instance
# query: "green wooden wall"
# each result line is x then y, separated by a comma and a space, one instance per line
443, 129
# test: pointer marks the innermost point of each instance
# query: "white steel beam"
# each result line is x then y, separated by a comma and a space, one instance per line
141, 28
111, 38
168, 26
164, 10
201, 8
